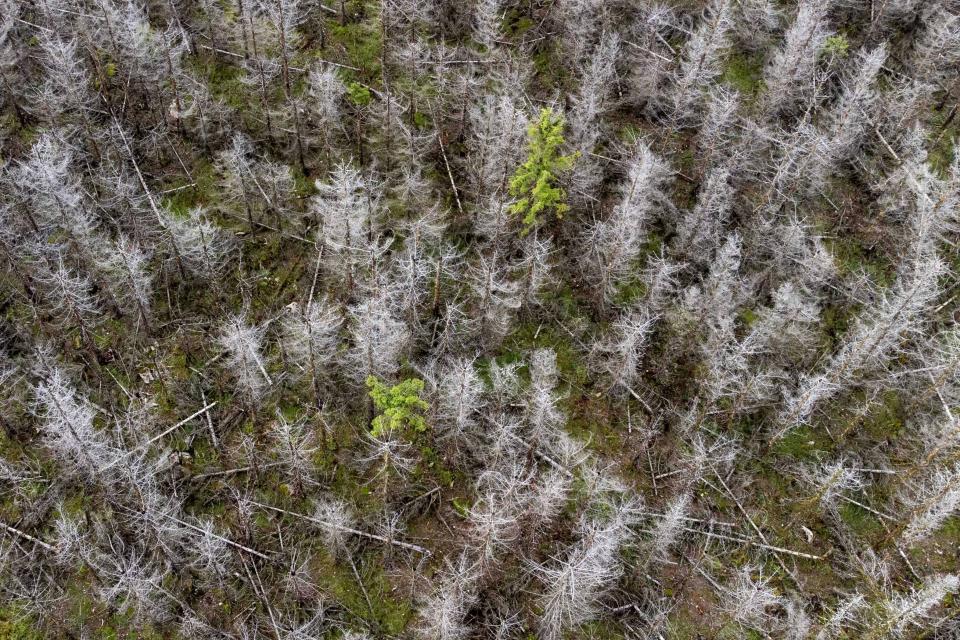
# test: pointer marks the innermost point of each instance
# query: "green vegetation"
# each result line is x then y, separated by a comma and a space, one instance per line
362, 44
400, 406
535, 181
802, 444
837, 46
16, 625
358, 94
744, 72
861, 521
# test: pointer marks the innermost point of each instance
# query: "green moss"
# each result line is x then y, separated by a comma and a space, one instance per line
834, 323
885, 419
851, 258
686, 162
177, 364
203, 191
629, 291
421, 119
433, 464
120, 626
347, 486
733, 631
943, 136
516, 23
748, 317
564, 300
950, 530
744, 72
362, 47
28, 135
110, 331
551, 71
303, 186
461, 506
630, 133
205, 454
224, 83
599, 630
75, 505
681, 627
83, 611
632, 289
861, 521
531, 335
15, 624
385, 614
803, 444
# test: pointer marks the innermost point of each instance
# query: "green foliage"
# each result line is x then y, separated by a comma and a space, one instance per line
400, 406
535, 181
461, 506
358, 94
836, 46
15, 625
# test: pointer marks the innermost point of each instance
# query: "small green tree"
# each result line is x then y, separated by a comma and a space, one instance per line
836, 46
399, 406
535, 181
358, 94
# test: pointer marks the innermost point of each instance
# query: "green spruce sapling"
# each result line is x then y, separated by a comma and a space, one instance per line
535, 181
399, 407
